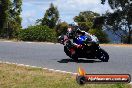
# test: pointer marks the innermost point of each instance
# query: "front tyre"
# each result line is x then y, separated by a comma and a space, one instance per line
74, 57
103, 55
67, 51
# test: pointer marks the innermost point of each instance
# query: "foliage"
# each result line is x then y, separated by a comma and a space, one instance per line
15, 19
85, 19
85, 25
37, 33
10, 20
86, 16
4, 14
61, 28
51, 17
102, 36
125, 39
120, 20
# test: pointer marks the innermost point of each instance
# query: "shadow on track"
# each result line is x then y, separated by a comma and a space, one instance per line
79, 61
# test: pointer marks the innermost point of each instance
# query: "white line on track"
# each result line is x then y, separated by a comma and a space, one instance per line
117, 46
40, 67
6, 41
30, 42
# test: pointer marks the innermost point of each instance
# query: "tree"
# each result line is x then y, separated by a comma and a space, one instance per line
86, 16
10, 19
15, 19
61, 28
51, 17
4, 14
86, 21
120, 20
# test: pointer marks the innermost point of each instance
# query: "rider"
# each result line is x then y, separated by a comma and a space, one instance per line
75, 35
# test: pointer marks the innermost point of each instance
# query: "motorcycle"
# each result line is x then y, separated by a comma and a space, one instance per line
89, 49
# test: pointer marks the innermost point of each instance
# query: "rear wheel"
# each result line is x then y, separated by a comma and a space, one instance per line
103, 55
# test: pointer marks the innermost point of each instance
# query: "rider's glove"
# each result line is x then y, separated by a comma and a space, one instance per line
79, 46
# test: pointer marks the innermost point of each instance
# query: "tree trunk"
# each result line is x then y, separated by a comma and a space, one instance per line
121, 39
129, 35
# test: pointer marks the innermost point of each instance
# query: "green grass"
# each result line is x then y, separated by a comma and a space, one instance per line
13, 76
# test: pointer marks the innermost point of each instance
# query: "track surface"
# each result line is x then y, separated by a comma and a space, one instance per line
52, 56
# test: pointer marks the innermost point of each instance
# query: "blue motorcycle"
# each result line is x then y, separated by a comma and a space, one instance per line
85, 48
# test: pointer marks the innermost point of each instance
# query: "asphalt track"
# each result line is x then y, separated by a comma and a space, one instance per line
52, 56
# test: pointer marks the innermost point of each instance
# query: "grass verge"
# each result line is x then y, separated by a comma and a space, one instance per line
13, 76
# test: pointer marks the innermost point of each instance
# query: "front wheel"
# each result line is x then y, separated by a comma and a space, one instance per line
67, 51
74, 57
103, 55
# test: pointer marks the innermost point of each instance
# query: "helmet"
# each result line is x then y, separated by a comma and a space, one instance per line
73, 24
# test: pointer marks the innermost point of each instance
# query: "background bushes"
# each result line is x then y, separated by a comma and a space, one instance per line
37, 33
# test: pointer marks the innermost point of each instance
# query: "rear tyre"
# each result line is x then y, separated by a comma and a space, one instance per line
103, 55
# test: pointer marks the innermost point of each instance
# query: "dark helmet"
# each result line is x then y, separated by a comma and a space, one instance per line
73, 24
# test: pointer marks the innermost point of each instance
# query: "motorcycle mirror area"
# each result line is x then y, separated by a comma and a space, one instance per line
83, 78
61, 39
